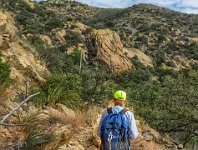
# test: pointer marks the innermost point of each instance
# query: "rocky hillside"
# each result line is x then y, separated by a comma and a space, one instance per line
75, 56
25, 66
64, 122
167, 36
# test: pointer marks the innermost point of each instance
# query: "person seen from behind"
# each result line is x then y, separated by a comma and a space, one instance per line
117, 125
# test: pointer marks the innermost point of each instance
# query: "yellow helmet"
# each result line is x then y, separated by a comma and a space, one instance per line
120, 95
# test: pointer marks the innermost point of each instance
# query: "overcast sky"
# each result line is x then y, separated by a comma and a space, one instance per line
187, 6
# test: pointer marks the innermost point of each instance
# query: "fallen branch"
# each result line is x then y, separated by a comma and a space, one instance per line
13, 125
12, 111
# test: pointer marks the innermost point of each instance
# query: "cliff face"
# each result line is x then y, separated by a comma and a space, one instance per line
24, 64
110, 50
151, 29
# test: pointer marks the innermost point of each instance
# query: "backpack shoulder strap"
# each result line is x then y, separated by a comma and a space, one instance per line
109, 110
123, 111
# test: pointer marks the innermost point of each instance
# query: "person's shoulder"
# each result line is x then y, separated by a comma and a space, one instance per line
129, 113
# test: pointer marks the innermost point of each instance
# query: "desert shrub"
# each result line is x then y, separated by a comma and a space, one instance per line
4, 73
73, 38
191, 51
57, 60
34, 140
110, 24
36, 42
162, 71
62, 88
54, 22
133, 76
169, 105
97, 85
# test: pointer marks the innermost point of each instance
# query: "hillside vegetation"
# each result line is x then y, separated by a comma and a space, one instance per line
148, 51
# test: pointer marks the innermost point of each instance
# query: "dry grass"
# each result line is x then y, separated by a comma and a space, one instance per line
140, 144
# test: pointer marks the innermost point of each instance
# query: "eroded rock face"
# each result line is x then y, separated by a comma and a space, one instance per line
143, 58
7, 30
110, 50
25, 66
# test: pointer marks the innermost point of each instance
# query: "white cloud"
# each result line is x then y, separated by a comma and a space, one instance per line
126, 3
188, 6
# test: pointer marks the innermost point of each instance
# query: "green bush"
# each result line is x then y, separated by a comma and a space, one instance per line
37, 43
169, 106
97, 85
73, 38
62, 88
4, 73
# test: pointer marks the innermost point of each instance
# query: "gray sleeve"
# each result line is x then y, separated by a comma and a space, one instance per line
133, 131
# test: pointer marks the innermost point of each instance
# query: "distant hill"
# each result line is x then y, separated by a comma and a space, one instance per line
88, 52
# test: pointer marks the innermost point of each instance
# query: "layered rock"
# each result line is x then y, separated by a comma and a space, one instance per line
110, 50
142, 57
25, 66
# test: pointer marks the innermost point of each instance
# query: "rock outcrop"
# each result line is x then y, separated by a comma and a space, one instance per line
110, 50
25, 66
46, 39
143, 58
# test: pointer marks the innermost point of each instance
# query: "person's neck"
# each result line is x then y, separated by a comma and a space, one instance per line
119, 105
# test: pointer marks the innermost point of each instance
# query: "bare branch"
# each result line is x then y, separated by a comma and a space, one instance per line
12, 111
13, 125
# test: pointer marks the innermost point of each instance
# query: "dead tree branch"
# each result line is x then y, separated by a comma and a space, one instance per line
13, 110
13, 125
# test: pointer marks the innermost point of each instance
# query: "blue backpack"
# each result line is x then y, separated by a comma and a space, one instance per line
114, 131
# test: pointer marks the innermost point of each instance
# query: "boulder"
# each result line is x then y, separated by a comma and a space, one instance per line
60, 36
92, 148
47, 40
180, 146
150, 134
69, 113
143, 58
71, 146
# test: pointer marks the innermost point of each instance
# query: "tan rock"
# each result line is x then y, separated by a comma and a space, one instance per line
7, 30
1, 41
181, 62
60, 36
3, 22
194, 40
81, 26
26, 68
110, 50
67, 111
27, 62
150, 134
143, 58
180, 146
92, 148
96, 142
72, 146
70, 50
47, 40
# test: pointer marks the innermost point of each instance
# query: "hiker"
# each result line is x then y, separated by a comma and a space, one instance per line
117, 125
